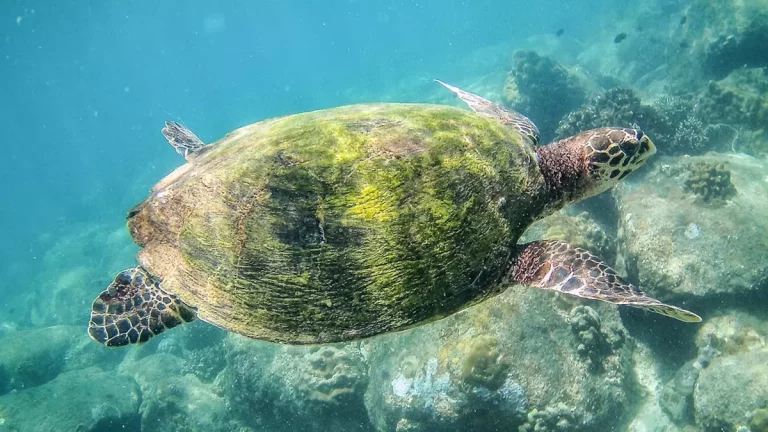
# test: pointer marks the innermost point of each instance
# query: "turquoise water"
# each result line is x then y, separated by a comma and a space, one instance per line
86, 87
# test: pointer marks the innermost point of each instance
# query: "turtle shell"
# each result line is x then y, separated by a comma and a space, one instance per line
342, 223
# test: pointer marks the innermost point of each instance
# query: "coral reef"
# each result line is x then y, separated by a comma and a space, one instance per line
580, 230
672, 121
614, 107
84, 400
318, 388
333, 376
542, 89
680, 128
710, 182
759, 420
733, 332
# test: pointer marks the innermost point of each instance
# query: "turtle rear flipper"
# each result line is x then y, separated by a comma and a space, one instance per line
561, 267
183, 140
134, 308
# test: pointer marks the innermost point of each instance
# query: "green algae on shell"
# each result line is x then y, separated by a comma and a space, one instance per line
341, 223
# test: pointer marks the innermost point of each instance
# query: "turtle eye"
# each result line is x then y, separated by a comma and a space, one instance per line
639, 136
629, 147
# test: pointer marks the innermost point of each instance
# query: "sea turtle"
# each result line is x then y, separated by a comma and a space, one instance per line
349, 222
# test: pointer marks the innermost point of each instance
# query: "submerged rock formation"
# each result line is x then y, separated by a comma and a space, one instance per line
521, 360
673, 239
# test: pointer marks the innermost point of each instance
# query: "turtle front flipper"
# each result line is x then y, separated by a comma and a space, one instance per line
483, 106
561, 267
134, 308
183, 140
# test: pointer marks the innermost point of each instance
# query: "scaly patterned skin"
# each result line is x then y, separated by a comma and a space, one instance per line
133, 309
570, 270
591, 162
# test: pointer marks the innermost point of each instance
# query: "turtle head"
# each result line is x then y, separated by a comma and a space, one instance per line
592, 162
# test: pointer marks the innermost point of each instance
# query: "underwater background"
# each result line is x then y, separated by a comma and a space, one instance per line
85, 89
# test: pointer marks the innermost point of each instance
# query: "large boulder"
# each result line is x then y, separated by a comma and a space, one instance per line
727, 35
175, 401
527, 359
676, 223
732, 391
29, 358
85, 400
314, 388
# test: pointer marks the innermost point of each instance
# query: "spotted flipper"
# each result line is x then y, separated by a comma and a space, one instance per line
560, 267
183, 140
134, 308
487, 108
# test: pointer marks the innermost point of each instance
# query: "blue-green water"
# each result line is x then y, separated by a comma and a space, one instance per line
85, 89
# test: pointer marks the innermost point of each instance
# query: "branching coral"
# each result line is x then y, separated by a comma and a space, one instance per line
672, 122
679, 127
710, 182
615, 107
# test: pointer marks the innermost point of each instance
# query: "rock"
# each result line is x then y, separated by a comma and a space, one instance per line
321, 388
730, 34
245, 382
510, 362
732, 391
671, 239
649, 415
677, 395
29, 358
733, 332
174, 401
84, 400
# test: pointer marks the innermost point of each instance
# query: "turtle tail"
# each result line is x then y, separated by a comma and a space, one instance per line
134, 308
